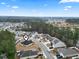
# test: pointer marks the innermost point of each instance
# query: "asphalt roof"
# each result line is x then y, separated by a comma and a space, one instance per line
26, 42
57, 43
47, 36
28, 53
68, 52
77, 44
36, 36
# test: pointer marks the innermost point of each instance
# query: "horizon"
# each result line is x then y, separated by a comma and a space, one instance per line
39, 8
43, 16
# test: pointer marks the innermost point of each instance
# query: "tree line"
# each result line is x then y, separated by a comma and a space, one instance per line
73, 21
69, 35
20, 19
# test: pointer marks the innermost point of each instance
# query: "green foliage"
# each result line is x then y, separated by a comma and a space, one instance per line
70, 37
7, 44
74, 20
20, 19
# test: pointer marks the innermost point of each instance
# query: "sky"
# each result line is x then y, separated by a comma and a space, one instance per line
45, 8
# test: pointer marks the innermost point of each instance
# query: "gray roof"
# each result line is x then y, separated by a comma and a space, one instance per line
28, 53
36, 36
58, 43
67, 52
55, 40
77, 45
47, 36
26, 42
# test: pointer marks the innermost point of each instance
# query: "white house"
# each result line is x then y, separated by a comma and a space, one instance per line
56, 43
68, 53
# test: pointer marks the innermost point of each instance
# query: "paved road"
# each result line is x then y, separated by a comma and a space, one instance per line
44, 48
46, 52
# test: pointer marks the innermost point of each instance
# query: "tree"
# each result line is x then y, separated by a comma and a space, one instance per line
75, 36
7, 44
65, 34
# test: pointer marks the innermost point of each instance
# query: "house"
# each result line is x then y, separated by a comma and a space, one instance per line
26, 42
56, 43
28, 54
3, 56
67, 53
46, 36
77, 45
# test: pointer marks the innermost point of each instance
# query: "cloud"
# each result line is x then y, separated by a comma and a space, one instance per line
7, 5
67, 8
65, 1
3, 3
15, 7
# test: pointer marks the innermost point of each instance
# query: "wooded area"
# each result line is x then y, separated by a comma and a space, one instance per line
69, 35
7, 44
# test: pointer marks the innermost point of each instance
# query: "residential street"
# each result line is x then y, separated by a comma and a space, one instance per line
44, 48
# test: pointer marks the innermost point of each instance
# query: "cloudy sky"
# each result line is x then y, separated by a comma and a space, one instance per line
66, 8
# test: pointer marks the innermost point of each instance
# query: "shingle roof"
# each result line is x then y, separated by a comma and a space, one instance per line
28, 53
26, 42
57, 43
47, 36
77, 45
68, 52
